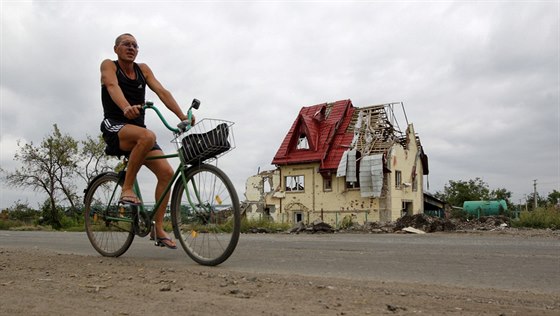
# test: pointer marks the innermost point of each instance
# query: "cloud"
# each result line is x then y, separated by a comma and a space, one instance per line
479, 81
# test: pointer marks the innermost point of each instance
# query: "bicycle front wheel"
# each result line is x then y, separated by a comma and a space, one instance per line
205, 213
109, 227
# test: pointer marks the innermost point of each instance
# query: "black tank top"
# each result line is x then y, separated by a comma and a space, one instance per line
134, 91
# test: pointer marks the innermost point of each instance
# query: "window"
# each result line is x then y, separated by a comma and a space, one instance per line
327, 183
406, 208
298, 217
294, 183
353, 185
398, 179
302, 142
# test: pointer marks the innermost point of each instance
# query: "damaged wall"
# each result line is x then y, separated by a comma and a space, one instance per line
308, 203
407, 195
262, 195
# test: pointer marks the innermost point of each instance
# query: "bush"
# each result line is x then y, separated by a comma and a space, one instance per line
541, 218
347, 222
71, 223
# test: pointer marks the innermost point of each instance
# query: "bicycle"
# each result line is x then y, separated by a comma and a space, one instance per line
204, 206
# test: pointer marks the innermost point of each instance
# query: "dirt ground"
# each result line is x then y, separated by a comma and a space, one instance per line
37, 282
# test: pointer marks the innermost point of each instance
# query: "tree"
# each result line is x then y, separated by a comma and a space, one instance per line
502, 194
553, 198
457, 192
94, 157
22, 212
49, 167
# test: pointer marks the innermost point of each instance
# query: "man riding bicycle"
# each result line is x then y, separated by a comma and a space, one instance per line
123, 90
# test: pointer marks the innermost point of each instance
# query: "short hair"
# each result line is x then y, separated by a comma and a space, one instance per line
119, 38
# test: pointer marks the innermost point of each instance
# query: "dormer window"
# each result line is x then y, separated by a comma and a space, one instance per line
302, 142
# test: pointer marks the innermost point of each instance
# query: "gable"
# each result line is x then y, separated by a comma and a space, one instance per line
324, 126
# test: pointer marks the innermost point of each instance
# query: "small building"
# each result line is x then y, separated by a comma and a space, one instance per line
340, 161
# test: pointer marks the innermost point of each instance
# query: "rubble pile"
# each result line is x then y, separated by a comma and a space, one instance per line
375, 227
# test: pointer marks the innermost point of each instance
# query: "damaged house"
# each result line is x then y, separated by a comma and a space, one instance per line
338, 160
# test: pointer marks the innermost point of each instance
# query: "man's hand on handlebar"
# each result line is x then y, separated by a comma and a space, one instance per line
185, 118
132, 111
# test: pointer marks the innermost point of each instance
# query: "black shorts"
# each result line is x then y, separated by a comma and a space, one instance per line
110, 129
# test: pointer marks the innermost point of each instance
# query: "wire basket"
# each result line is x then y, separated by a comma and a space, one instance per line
206, 140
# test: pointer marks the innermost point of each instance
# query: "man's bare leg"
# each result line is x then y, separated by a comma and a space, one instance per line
164, 173
139, 141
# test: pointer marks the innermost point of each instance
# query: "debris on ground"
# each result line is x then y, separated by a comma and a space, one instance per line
415, 224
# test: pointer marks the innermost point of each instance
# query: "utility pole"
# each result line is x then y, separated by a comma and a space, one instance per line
535, 195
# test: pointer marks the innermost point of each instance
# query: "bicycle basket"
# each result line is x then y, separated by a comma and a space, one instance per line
208, 139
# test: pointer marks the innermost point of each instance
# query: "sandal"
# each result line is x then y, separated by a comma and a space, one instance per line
165, 242
130, 200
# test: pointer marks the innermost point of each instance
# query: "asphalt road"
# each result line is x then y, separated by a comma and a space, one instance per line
466, 260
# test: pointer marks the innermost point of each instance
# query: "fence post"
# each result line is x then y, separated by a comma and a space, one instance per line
336, 219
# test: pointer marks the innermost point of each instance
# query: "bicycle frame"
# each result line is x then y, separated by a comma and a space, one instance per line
180, 171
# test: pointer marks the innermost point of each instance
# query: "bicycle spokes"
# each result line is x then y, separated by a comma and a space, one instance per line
207, 215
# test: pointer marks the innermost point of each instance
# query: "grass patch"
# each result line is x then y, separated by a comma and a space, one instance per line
262, 225
541, 218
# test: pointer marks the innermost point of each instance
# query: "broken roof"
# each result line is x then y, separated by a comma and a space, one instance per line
329, 130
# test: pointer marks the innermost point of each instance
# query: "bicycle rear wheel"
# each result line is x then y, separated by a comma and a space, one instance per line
206, 214
108, 226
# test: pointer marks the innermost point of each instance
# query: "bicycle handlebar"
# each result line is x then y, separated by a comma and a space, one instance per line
182, 126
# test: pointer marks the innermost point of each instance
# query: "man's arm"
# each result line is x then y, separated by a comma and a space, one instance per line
164, 95
109, 79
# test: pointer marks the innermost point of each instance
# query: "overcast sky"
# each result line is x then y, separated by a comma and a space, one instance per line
479, 80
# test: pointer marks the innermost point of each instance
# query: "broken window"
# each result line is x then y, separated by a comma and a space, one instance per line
294, 183
267, 184
302, 142
398, 179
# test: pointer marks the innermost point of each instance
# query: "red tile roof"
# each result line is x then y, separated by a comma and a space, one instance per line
325, 126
